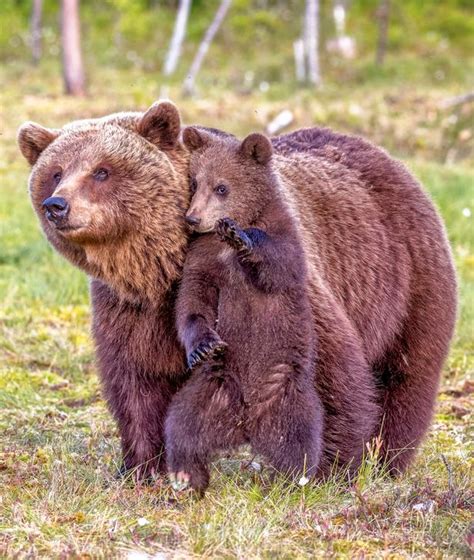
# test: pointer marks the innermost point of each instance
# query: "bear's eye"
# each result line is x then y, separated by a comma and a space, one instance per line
57, 177
221, 190
193, 185
101, 174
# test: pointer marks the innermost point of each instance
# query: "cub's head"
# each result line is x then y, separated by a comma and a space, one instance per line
228, 178
111, 188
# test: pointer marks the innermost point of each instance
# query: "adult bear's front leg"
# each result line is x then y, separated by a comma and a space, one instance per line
141, 366
139, 403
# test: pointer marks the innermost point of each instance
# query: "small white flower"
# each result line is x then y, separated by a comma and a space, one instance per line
303, 481
256, 466
425, 507
137, 555
142, 521
466, 212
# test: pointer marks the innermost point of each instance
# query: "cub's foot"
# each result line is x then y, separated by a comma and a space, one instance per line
210, 349
179, 481
196, 479
231, 233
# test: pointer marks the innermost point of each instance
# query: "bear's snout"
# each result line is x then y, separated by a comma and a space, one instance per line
193, 220
56, 208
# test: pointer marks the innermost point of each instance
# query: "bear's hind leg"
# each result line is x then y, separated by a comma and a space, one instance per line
285, 420
410, 376
205, 416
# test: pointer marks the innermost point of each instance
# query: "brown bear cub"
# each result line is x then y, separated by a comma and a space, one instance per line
244, 319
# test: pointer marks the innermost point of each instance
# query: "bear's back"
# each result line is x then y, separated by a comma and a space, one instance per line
368, 228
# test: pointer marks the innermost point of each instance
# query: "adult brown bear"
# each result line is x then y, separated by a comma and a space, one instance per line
111, 195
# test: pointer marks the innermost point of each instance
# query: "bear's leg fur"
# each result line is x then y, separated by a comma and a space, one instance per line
205, 416
411, 374
284, 420
139, 404
347, 388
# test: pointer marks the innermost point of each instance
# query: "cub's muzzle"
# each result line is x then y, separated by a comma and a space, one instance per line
192, 220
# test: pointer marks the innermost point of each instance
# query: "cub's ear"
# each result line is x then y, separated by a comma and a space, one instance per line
193, 138
161, 124
258, 147
33, 139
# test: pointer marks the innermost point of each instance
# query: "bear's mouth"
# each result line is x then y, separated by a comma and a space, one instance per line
202, 229
64, 229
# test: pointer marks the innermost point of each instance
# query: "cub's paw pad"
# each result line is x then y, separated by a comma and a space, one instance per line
231, 233
207, 351
226, 228
179, 480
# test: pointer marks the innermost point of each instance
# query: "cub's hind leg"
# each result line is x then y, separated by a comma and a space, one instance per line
205, 416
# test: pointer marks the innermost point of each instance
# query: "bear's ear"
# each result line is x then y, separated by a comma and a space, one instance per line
33, 139
161, 125
258, 147
193, 138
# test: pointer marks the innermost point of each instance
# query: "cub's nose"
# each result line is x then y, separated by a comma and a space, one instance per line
192, 220
56, 208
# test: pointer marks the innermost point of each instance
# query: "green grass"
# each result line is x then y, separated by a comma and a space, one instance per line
59, 448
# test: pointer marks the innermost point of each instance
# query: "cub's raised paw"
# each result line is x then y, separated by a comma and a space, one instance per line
210, 350
231, 233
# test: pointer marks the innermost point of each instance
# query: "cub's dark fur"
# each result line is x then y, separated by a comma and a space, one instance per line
243, 293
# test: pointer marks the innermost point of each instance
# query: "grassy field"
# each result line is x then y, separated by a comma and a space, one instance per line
59, 449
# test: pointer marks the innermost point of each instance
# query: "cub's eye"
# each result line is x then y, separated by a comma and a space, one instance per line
221, 190
193, 185
57, 177
100, 174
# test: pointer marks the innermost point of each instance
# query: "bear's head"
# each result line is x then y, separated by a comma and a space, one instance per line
228, 178
111, 194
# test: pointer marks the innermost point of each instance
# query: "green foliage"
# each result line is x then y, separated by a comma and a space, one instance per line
136, 33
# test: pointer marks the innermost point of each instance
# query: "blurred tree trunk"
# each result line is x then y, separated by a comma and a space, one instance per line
188, 86
36, 30
311, 35
300, 62
178, 36
73, 71
383, 15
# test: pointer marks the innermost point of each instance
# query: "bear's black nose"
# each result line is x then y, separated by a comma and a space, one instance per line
192, 220
56, 208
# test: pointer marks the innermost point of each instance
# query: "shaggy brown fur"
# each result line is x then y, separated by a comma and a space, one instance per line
382, 283
249, 298
134, 265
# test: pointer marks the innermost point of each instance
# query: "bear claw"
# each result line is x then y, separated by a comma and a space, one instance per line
207, 351
230, 232
180, 480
